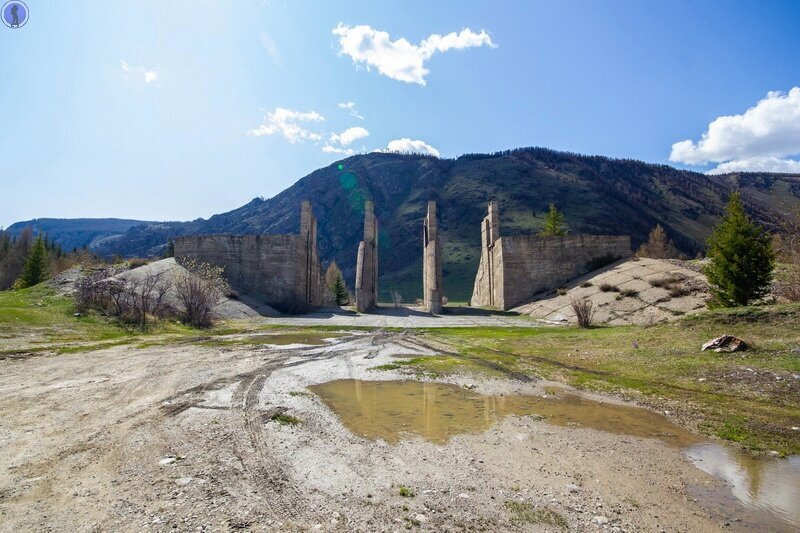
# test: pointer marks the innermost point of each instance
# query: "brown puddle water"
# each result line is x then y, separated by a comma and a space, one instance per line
393, 410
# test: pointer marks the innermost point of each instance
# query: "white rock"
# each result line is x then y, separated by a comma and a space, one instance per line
572, 487
464, 496
600, 520
167, 461
420, 517
183, 481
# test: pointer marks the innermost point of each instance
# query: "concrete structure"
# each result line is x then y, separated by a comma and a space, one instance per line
513, 269
433, 290
283, 271
367, 262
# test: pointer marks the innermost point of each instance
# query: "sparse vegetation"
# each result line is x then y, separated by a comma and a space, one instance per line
200, 288
405, 492
629, 293
586, 284
526, 513
607, 287
285, 420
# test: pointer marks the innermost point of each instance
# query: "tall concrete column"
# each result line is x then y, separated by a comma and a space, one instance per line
367, 262
485, 292
433, 291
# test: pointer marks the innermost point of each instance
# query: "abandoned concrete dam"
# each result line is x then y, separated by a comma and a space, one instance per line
286, 272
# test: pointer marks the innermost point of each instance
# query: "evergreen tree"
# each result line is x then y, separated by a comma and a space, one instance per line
340, 291
741, 256
36, 265
554, 225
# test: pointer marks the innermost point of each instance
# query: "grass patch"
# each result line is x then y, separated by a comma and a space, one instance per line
586, 284
607, 287
629, 293
525, 513
284, 419
405, 492
665, 367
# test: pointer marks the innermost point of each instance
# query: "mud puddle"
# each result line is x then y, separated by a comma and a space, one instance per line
760, 489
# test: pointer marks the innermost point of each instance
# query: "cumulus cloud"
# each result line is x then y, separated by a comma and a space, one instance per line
760, 139
400, 60
288, 123
351, 107
141, 73
338, 143
406, 145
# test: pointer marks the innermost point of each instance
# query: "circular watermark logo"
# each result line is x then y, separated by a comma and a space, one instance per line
14, 14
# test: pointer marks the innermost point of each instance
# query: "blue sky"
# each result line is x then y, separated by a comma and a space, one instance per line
176, 110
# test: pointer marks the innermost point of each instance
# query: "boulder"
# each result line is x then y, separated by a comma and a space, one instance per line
725, 343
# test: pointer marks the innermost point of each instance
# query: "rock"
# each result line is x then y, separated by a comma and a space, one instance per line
725, 343
795, 428
168, 460
420, 517
572, 487
78, 315
795, 350
600, 520
182, 481
464, 496
634, 345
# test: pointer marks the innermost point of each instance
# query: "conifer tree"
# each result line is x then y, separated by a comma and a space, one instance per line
554, 225
741, 256
36, 265
340, 291
658, 245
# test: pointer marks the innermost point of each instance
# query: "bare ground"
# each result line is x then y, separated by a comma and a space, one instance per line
182, 438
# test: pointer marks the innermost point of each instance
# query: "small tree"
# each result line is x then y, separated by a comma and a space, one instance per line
200, 288
340, 291
554, 225
584, 311
36, 265
741, 256
658, 245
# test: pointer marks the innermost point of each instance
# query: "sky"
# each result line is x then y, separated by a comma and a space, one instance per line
176, 110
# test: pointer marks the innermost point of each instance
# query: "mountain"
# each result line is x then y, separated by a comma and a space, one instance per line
77, 232
597, 194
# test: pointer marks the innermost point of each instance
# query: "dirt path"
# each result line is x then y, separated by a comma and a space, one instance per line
182, 438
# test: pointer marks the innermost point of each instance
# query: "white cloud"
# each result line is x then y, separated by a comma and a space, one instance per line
287, 123
338, 143
399, 59
349, 135
148, 76
760, 139
351, 107
758, 164
269, 45
406, 145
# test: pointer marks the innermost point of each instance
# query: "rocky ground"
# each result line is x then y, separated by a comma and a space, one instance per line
186, 437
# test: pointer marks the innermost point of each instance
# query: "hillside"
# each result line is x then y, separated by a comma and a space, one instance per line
598, 195
77, 232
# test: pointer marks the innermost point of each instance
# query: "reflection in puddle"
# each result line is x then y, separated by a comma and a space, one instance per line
392, 410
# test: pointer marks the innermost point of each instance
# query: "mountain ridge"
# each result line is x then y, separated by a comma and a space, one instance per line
598, 195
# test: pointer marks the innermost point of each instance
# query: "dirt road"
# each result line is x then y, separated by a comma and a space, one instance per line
185, 438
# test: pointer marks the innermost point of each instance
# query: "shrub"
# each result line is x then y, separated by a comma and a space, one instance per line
607, 287
584, 311
586, 284
677, 291
658, 245
200, 287
561, 291
554, 225
629, 293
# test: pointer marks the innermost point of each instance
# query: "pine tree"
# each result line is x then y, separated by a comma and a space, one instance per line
554, 225
36, 265
741, 256
340, 291
658, 245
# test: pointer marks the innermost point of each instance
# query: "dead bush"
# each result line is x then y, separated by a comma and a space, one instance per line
200, 288
607, 287
584, 311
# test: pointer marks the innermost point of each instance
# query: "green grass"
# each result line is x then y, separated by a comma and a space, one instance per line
285, 420
716, 391
405, 492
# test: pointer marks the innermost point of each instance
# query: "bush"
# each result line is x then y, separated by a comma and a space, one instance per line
561, 291
200, 287
584, 311
629, 293
586, 284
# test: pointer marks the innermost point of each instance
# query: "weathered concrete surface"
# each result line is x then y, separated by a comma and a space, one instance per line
282, 270
433, 290
631, 292
367, 262
514, 269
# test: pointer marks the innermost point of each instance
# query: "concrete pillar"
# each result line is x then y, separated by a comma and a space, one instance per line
432, 262
488, 288
367, 262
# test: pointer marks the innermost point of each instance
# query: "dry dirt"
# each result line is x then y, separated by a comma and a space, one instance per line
182, 438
